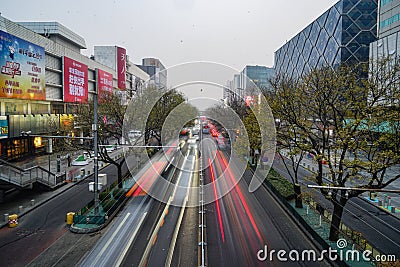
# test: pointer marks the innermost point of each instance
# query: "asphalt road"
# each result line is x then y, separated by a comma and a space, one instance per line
40, 228
114, 245
111, 249
163, 247
144, 232
240, 224
381, 229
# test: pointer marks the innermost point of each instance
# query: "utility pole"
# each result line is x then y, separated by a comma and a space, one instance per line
95, 141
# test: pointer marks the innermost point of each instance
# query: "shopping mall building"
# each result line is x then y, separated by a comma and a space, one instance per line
44, 75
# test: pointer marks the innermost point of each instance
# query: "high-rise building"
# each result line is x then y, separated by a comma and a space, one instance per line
251, 77
387, 47
259, 75
388, 44
342, 34
389, 18
156, 70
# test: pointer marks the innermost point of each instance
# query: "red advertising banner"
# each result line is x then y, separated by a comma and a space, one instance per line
105, 83
75, 81
121, 67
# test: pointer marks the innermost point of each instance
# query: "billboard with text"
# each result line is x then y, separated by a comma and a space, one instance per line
75, 81
121, 67
22, 68
105, 83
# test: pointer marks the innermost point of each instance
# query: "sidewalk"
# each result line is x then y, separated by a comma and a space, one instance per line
388, 202
23, 201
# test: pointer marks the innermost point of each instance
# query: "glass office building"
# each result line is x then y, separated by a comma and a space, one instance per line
259, 75
341, 34
388, 44
389, 18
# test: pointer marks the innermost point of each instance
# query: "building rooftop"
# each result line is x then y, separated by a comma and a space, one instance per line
55, 28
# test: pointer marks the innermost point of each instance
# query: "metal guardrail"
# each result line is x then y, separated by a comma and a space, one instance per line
26, 177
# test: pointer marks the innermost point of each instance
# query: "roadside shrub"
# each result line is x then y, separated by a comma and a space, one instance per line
108, 203
118, 192
104, 195
282, 185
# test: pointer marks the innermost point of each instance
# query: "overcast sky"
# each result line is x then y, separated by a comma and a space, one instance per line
231, 32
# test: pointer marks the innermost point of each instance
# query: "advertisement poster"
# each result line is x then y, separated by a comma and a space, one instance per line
121, 67
75, 81
22, 68
105, 83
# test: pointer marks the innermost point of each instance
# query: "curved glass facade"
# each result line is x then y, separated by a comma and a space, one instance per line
341, 34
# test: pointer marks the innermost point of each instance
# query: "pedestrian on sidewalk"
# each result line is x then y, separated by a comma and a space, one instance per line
69, 160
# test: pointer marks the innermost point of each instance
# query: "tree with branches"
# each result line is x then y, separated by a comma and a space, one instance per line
286, 107
346, 120
110, 122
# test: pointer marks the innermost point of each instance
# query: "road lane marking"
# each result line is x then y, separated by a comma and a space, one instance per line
175, 234
179, 222
128, 245
153, 237
94, 263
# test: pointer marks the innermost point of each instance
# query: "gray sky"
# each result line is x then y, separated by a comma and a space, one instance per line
231, 32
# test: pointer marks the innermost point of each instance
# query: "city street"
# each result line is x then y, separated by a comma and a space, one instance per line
160, 133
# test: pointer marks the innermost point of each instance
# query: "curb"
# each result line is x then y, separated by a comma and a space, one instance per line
78, 230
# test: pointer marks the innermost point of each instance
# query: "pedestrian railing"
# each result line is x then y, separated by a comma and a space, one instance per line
26, 177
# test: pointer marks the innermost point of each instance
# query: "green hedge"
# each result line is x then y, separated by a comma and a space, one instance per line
104, 195
282, 185
107, 204
118, 192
